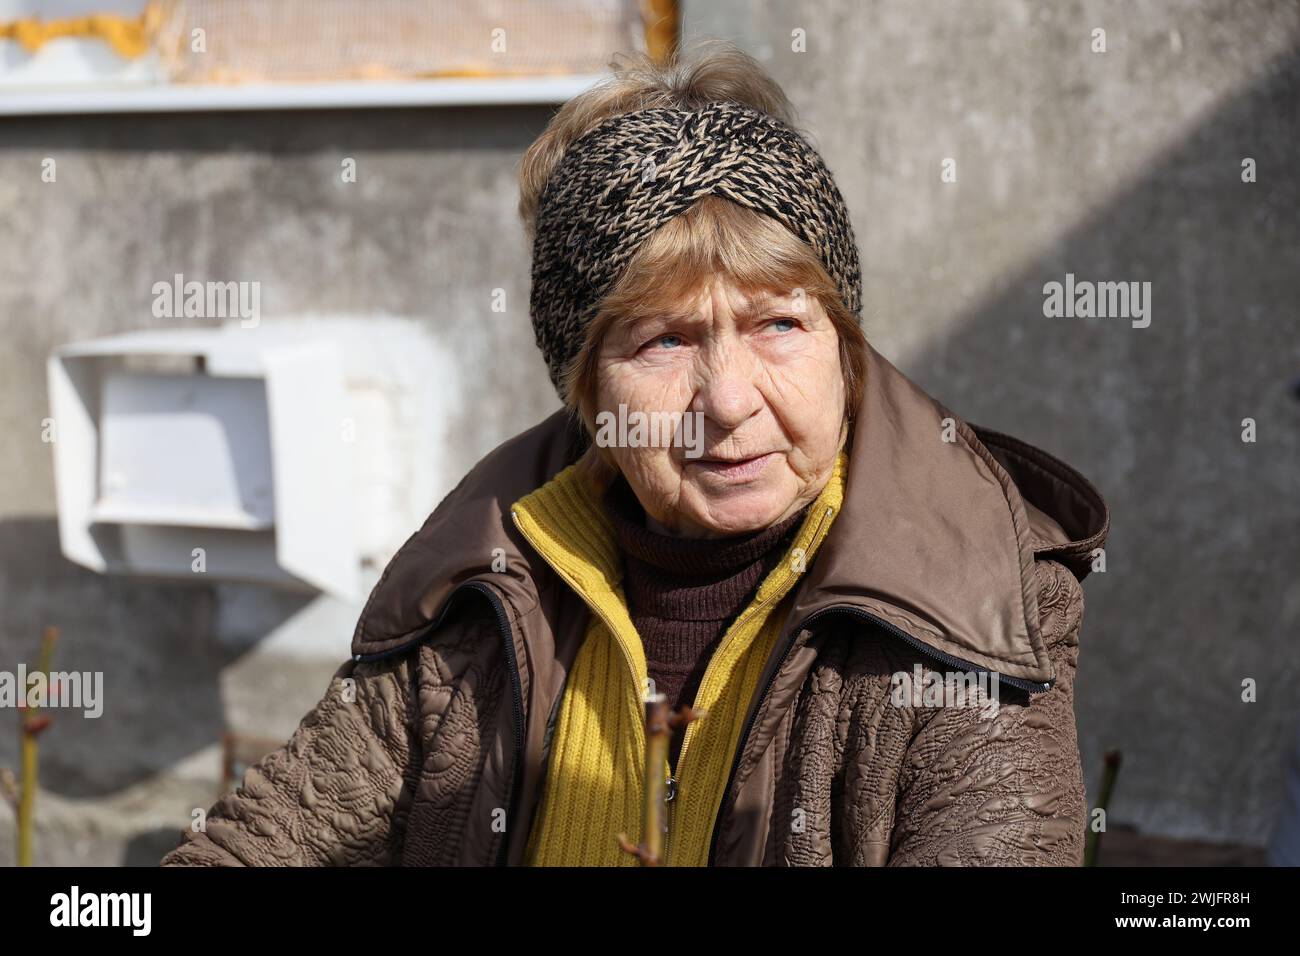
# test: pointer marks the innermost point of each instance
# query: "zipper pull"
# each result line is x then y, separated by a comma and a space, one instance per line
670, 789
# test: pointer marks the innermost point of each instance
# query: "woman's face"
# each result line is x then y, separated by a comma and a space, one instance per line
761, 377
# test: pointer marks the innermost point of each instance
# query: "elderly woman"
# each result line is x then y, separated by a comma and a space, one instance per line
870, 606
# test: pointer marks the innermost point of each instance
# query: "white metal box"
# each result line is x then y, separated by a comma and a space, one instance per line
289, 453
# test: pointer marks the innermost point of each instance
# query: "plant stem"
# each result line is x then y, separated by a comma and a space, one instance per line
1109, 772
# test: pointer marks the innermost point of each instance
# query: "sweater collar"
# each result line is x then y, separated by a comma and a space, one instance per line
707, 557
566, 523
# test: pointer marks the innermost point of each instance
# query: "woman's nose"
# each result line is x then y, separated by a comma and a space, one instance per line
728, 393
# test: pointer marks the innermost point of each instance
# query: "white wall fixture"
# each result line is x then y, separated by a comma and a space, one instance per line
297, 452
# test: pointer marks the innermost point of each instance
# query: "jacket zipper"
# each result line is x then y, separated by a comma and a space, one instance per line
516, 685
893, 629
592, 608
674, 776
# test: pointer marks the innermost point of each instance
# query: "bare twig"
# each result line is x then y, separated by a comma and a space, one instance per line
31, 724
660, 725
1110, 771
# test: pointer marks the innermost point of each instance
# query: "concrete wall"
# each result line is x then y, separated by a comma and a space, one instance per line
427, 232
1122, 165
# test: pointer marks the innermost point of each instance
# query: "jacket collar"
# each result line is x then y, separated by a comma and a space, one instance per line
940, 533
941, 527
566, 523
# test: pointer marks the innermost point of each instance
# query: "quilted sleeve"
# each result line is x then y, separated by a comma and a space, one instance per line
336, 794
1001, 787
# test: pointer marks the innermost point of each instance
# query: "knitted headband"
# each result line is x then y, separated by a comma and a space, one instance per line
626, 177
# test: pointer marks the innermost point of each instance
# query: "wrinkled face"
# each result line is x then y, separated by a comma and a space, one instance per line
763, 374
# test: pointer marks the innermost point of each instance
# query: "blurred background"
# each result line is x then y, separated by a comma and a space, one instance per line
258, 258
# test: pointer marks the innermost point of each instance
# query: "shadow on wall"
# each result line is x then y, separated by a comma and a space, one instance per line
150, 846
1203, 540
154, 642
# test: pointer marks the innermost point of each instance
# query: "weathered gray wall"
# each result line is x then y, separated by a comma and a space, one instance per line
427, 231
1116, 166
1124, 165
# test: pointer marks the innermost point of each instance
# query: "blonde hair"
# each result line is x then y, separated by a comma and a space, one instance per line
714, 236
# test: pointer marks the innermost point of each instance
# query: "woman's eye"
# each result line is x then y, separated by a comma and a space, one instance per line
666, 341
784, 325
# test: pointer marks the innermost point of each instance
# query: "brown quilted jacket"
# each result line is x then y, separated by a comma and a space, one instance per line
957, 548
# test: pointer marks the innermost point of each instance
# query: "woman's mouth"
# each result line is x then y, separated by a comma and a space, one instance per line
735, 470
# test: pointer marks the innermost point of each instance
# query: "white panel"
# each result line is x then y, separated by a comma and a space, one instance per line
74, 407
315, 533
295, 452
201, 555
184, 450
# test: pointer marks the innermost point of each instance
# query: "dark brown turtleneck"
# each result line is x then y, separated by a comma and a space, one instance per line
683, 593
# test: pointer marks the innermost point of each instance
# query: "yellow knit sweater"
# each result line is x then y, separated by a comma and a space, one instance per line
595, 770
